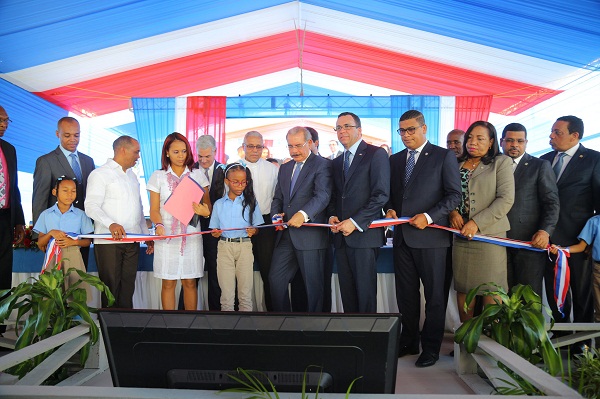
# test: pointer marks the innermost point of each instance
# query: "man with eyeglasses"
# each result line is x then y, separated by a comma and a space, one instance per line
65, 160
12, 219
264, 178
534, 213
361, 187
302, 195
425, 186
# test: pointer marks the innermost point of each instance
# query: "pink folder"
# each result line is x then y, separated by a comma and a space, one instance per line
179, 203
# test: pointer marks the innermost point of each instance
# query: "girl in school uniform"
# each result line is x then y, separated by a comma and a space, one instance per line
237, 209
177, 258
58, 221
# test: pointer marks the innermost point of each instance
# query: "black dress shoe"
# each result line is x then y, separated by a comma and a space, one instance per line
408, 350
427, 359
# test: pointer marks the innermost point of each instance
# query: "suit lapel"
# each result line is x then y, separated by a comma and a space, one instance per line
63, 162
573, 164
522, 167
358, 158
423, 158
308, 164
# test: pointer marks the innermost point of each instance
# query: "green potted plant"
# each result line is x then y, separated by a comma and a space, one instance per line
44, 308
515, 321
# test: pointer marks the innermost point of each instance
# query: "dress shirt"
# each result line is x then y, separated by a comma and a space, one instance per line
566, 159
264, 177
74, 220
68, 156
4, 182
300, 164
227, 214
417, 155
113, 196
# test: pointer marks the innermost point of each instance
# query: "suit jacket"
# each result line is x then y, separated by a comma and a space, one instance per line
433, 188
536, 205
311, 194
492, 193
48, 168
579, 194
217, 174
361, 195
16, 210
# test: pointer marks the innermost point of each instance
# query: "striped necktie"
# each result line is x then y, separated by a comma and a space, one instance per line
76, 168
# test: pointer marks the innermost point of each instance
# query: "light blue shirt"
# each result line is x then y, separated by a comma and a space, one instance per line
590, 233
227, 214
68, 155
72, 221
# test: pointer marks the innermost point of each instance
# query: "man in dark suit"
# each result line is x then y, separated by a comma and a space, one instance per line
206, 148
11, 212
577, 171
534, 213
361, 187
302, 194
425, 186
65, 160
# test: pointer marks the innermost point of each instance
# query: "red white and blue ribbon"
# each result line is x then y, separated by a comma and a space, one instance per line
53, 256
561, 268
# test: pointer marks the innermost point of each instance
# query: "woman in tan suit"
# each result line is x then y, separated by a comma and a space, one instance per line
488, 191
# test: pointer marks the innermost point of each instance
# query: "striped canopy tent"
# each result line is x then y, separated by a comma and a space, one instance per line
527, 61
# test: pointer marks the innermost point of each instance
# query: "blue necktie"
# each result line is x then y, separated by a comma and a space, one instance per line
295, 176
76, 168
410, 166
559, 163
346, 162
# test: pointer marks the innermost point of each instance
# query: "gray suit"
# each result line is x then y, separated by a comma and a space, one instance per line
48, 168
536, 207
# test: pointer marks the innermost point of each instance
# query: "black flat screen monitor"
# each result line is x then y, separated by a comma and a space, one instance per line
198, 350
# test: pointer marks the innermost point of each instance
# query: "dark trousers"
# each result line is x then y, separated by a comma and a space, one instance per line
448, 277
6, 253
262, 248
210, 244
298, 292
427, 265
117, 268
357, 274
287, 260
526, 267
581, 290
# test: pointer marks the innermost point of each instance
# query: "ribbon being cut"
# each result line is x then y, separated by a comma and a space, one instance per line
561, 266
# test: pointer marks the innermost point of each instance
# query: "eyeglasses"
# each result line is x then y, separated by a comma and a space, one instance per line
297, 146
6, 121
345, 127
409, 130
236, 183
253, 147
512, 141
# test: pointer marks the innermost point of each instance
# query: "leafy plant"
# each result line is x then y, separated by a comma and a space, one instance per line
586, 378
252, 384
514, 321
44, 308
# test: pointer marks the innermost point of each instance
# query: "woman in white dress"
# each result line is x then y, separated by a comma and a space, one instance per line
177, 258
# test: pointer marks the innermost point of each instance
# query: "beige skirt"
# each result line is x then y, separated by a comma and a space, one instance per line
476, 262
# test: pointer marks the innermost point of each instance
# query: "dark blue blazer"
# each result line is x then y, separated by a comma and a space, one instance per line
16, 210
361, 195
433, 188
536, 205
579, 194
312, 193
